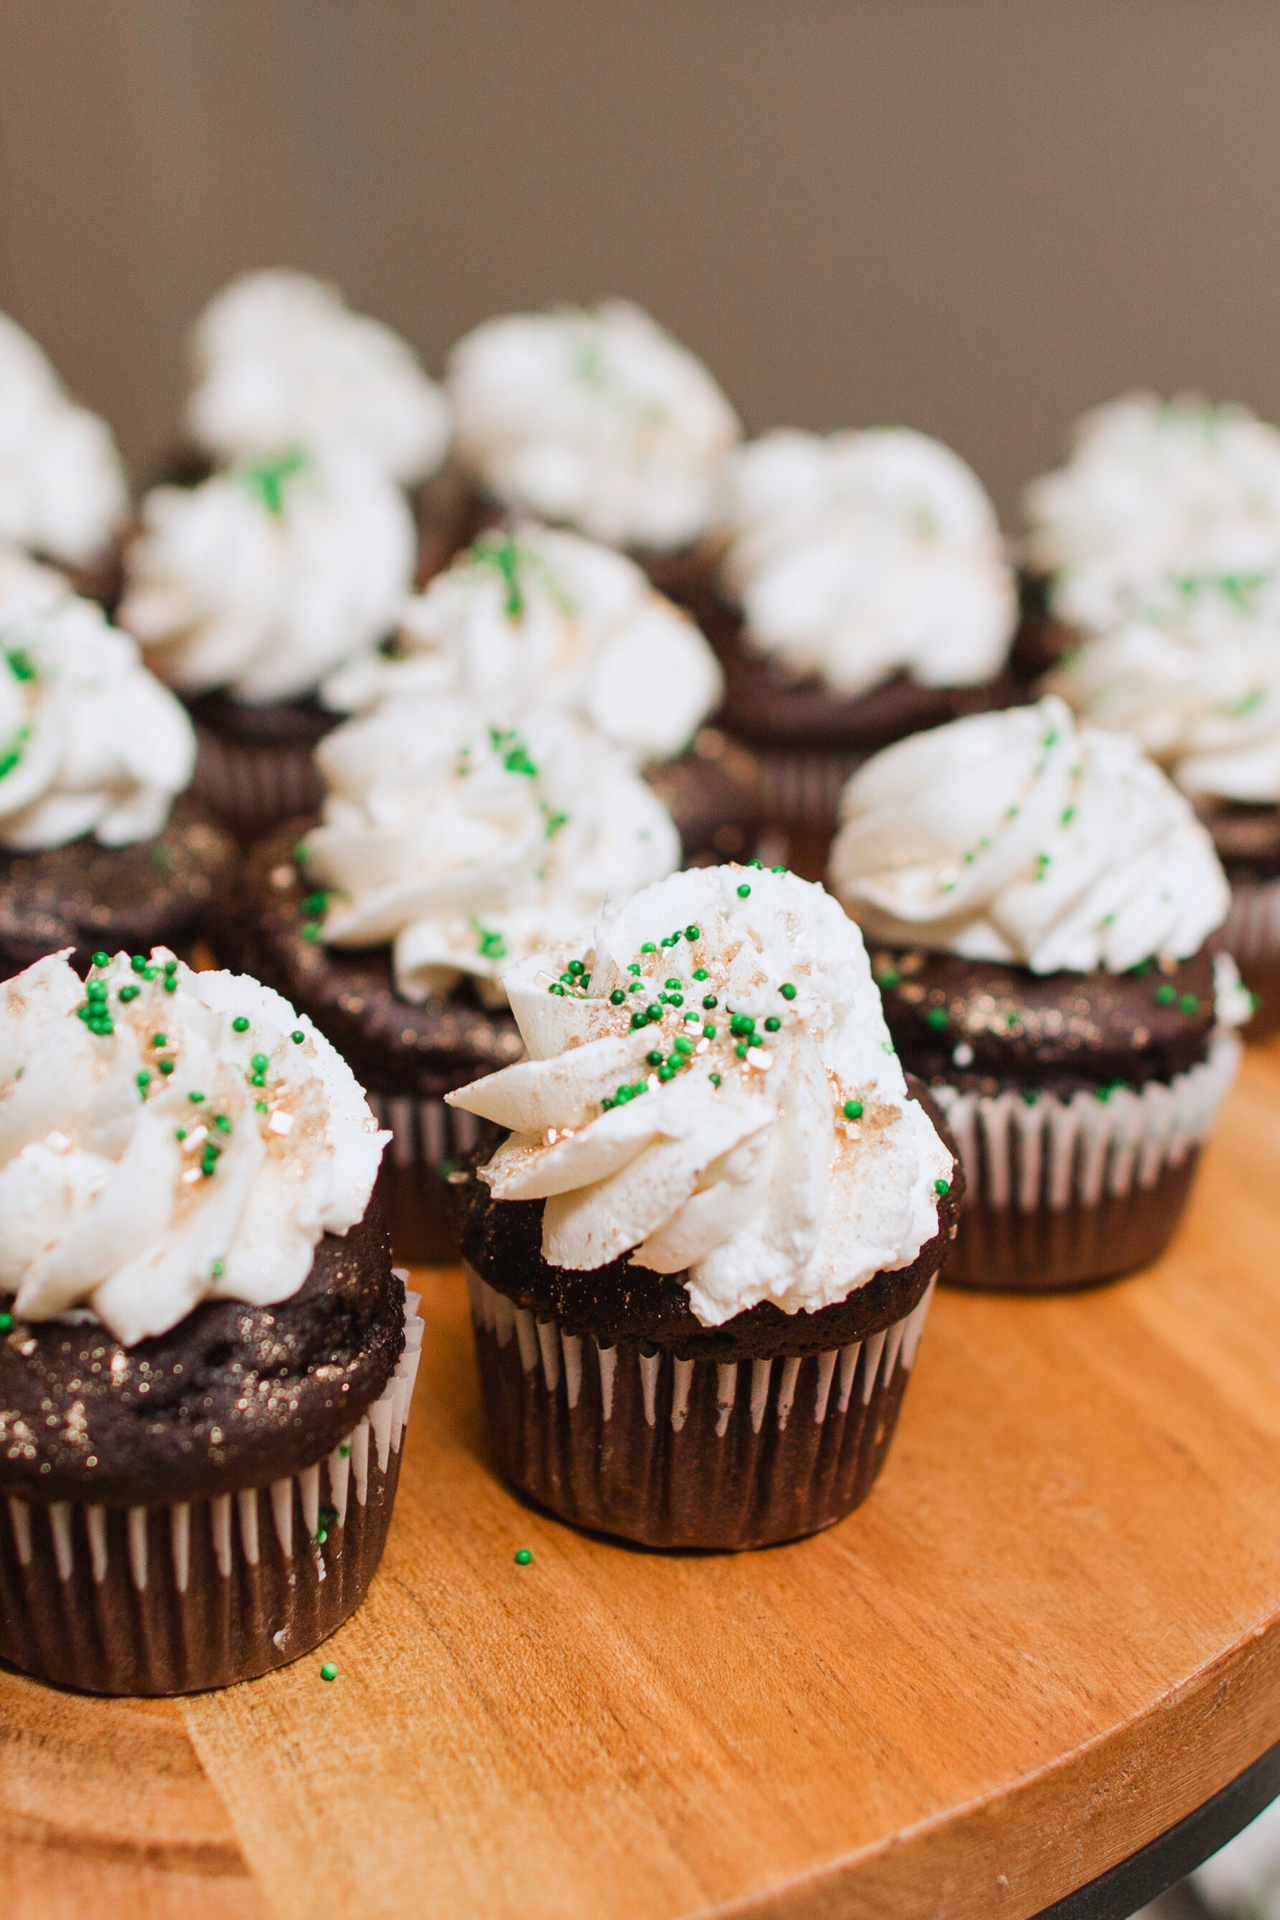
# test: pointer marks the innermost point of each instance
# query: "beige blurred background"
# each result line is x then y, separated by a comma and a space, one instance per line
975, 216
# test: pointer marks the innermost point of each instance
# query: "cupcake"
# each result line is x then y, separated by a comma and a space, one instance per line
596, 419
245, 591
63, 491
99, 842
450, 844
205, 1368
538, 616
866, 594
1038, 901
1197, 680
279, 362
1153, 492
701, 1259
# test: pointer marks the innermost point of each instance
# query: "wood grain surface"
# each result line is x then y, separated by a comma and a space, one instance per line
1052, 1631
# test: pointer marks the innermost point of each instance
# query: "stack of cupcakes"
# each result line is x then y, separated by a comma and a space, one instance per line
205, 1358
701, 1259
99, 841
249, 586
1040, 901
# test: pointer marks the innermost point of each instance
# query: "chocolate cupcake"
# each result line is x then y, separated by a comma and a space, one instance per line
64, 494
865, 595
1197, 679
1038, 900
450, 845
594, 419
701, 1260
1153, 493
204, 1365
98, 843
536, 617
252, 581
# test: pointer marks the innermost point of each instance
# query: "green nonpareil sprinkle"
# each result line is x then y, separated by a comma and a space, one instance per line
101, 959
852, 1109
239, 1024
617, 997
298, 1037
143, 1080
502, 553
937, 1017
159, 1040
693, 933
772, 1024
1188, 1004
714, 1078
787, 991
328, 1671
259, 1062
166, 1066
552, 822
315, 903
311, 930
512, 751
195, 1098
490, 944
523, 1556
6, 1322
744, 892
941, 1186
648, 947
129, 993
222, 1123
265, 479
216, 1270
344, 1450
888, 979
20, 664
1166, 995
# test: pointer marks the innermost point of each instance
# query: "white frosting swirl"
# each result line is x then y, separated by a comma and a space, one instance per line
867, 554
752, 1173
1198, 684
63, 490
282, 362
261, 580
469, 842
138, 1192
90, 742
1152, 492
594, 417
541, 616
1013, 836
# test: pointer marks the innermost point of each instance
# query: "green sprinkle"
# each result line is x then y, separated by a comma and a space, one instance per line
138, 963
708, 1032
265, 478
344, 1450
328, 1671
162, 858
216, 1270
653, 1057
1165, 994
889, 979
129, 993
1068, 815
693, 933
1030, 1096
741, 1049
666, 1073
941, 1186
937, 1017
259, 1106
170, 983
709, 1001
491, 944
633, 966
259, 1062
683, 1043
311, 930
20, 665
576, 966
502, 553
179, 1133
673, 984
315, 903
255, 1080
700, 973
143, 1080
101, 960
853, 1109
297, 1037
6, 1322
239, 1024
648, 947
787, 991
1188, 1004
301, 852
714, 1078
222, 1123
653, 1011
195, 1098
617, 997
744, 893
772, 1024
638, 1019
523, 1556
556, 987
159, 1040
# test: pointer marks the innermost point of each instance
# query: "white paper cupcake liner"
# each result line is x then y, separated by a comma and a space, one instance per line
1251, 930
179, 1597
688, 1452
1057, 1153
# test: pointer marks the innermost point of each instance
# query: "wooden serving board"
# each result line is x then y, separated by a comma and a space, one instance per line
1052, 1631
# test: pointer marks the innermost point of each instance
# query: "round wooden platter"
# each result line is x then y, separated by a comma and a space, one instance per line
1052, 1631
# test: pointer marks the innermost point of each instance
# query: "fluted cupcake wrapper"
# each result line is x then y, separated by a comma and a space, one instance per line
687, 1453
176, 1598
1251, 935
254, 787
1063, 1193
427, 1138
